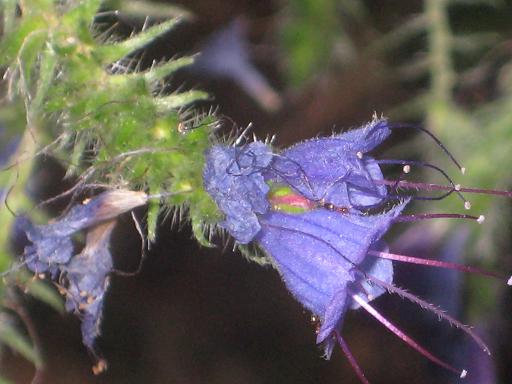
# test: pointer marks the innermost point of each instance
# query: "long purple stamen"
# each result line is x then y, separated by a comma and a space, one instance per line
432, 308
351, 359
435, 263
428, 216
438, 187
408, 163
407, 339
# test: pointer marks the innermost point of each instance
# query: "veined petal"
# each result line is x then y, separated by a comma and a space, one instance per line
233, 178
335, 168
317, 253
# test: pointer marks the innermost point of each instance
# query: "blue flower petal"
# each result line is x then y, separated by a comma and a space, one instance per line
335, 168
233, 177
87, 276
318, 252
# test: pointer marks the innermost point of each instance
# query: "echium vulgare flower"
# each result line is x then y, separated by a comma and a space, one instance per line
319, 210
85, 276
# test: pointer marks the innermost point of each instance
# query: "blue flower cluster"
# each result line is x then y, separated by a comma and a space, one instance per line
86, 273
307, 207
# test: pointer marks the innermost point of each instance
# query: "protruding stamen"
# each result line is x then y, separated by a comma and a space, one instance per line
467, 205
457, 187
438, 142
429, 216
509, 281
426, 165
432, 308
359, 155
463, 374
406, 168
435, 263
438, 187
407, 339
351, 359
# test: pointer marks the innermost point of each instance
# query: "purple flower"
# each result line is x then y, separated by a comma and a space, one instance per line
304, 208
322, 256
233, 177
319, 210
87, 277
335, 168
52, 245
86, 274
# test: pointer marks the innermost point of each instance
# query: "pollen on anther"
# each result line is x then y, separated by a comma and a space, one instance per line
463, 374
407, 168
359, 155
467, 205
457, 187
509, 281
480, 219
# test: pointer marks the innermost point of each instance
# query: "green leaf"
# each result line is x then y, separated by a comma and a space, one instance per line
12, 337
12, 43
198, 229
110, 53
152, 220
163, 70
169, 103
254, 253
141, 8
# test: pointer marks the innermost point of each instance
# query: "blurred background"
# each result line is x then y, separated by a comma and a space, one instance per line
297, 69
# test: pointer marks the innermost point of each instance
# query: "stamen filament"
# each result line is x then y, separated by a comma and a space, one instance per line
351, 359
429, 216
432, 308
438, 187
434, 263
407, 339
455, 188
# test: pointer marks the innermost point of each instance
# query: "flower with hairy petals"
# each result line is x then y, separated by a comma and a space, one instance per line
335, 169
322, 256
87, 277
52, 245
52, 251
281, 201
323, 209
233, 177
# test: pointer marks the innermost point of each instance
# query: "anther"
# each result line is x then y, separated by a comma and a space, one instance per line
463, 374
467, 205
407, 168
457, 187
480, 219
359, 155
463, 170
509, 281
